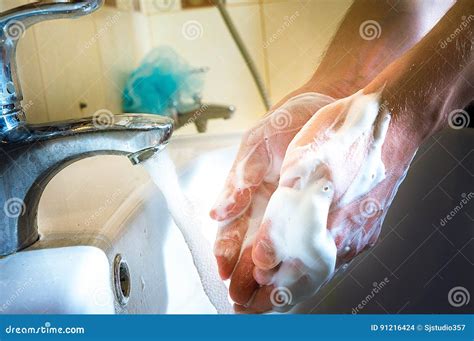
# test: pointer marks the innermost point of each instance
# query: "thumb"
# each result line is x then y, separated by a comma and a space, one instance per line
263, 254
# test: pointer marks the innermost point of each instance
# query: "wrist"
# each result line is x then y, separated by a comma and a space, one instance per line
422, 87
336, 89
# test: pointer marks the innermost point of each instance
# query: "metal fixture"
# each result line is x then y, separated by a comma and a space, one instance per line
33, 154
200, 113
13, 24
122, 280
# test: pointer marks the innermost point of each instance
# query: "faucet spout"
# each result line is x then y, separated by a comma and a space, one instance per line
33, 154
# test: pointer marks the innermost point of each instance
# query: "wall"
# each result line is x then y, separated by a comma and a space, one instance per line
72, 68
297, 34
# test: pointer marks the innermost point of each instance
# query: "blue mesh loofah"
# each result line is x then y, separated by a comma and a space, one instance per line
162, 80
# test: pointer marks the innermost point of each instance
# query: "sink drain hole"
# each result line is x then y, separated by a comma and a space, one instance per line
122, 280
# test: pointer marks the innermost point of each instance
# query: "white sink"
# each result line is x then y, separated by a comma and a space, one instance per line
103, 206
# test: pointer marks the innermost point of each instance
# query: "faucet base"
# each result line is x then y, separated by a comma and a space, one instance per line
34, 154
25, 243
11, 117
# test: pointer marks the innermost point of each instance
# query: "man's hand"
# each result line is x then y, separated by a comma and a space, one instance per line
338, 179
342, 170
344, 167
250, 184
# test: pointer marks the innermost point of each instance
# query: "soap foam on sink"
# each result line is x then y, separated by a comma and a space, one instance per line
163, 173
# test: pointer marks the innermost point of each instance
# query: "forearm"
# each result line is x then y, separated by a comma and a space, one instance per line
432, 79
357, 54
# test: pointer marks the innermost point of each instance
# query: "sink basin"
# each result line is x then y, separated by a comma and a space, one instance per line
90, 222
108, 244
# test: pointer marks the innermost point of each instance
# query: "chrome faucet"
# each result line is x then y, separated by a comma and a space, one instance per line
32, 154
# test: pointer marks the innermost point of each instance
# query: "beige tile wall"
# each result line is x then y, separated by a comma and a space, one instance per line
68, 64
296, 35
228, 80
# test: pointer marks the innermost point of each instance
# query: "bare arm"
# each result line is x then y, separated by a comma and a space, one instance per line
351, 62
419, 90
433, 78
372, 35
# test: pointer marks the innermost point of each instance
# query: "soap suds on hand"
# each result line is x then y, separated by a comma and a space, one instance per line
298, 221
297, 213
264, 146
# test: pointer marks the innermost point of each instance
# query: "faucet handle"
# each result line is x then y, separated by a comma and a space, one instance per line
13, 24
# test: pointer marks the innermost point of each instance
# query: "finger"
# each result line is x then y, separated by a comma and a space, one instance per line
294, 285
231, 203
242, 284
246, 175
228, 244
261, 301
264, 277
263, 254
230, 237
281, 299
240, 309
